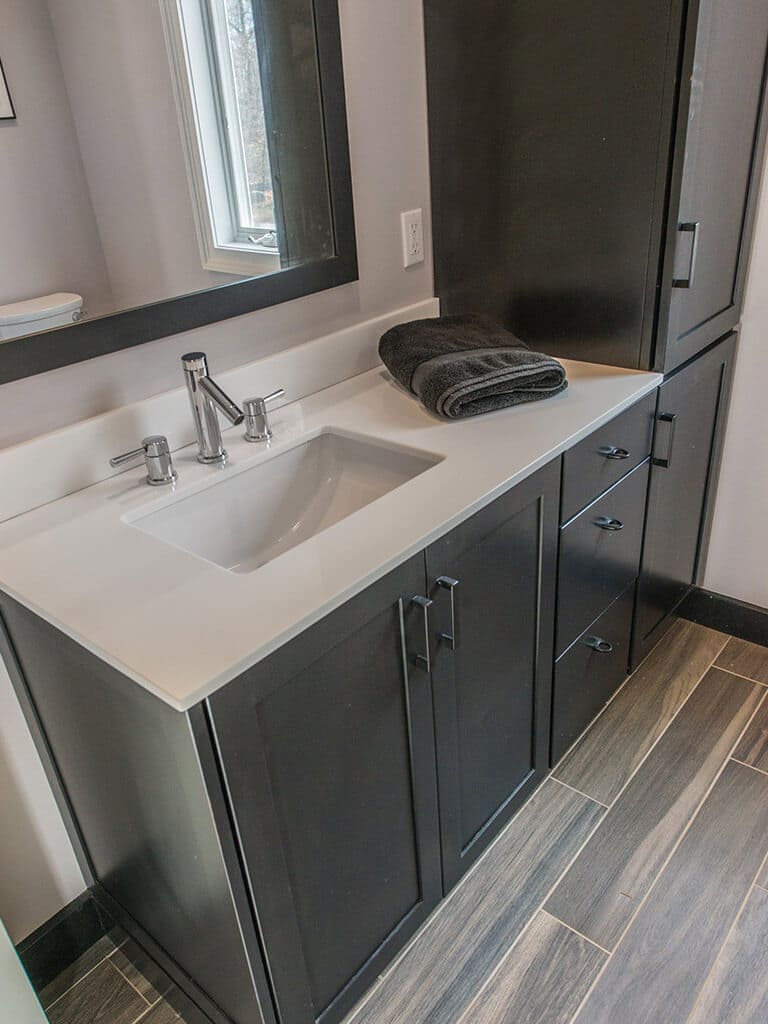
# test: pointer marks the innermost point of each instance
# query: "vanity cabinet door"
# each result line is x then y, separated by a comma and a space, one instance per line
492, 581
690, 423
327, 754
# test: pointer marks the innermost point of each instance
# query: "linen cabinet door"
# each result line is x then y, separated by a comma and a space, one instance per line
690, 422
492, 581
327, 754
721, 131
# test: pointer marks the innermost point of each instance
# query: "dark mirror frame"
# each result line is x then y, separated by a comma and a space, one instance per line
36, 353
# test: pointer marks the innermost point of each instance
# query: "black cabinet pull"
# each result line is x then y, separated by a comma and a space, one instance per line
598, 644
422, 660
610, 524
690, 227
612, 452
671, 419
450, 584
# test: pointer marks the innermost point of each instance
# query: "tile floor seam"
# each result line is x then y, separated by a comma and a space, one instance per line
368, 995
539, 909
76, 983
739, 675
758, 886
735, 921
444, 903
671, 854
655, 743
580, 792
576, 932
744, 764
639, 765
135, 989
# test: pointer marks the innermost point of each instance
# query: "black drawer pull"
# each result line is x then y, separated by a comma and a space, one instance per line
671, 419
692, 228
607, 523
598, 644
612, 452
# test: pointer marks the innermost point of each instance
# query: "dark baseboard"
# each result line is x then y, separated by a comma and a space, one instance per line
746, 621
60, 941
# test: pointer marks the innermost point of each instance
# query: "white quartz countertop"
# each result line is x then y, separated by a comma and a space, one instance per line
182, 627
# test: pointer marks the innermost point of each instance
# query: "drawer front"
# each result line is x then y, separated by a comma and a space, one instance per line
607, 455
589, 673
600, 555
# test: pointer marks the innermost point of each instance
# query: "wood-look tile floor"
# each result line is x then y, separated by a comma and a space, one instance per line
109, 985
632, 887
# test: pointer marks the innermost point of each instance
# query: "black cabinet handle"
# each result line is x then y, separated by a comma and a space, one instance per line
671, 419
424, 660
598, 644
450, 584
612, 452
691, 227
607, 523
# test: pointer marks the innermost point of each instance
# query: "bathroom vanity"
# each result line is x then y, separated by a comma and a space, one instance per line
278, 748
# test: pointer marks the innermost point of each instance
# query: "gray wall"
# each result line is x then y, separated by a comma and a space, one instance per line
48, 237
384, 65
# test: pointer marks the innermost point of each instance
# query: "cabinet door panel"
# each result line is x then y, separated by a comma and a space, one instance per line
328, 755
492, 693
683, 478
722, 146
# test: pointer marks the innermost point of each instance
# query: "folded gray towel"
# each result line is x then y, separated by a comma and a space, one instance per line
466, 365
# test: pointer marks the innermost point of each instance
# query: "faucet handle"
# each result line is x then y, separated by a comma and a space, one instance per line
256, 419
157, 459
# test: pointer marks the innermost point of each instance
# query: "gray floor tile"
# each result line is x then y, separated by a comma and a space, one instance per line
746, 659
607, 755
543, 979
664, 959
72, 974
753, 748
469, 934
617, 867
139, 969
736, 991
102, 997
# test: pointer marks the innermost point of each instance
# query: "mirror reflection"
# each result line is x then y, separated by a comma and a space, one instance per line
166, 147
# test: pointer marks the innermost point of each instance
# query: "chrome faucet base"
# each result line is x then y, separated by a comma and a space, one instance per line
163, 483
214, 460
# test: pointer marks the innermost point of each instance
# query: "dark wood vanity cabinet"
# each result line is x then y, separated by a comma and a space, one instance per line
492, 581
690, 425
595, 168
327, 754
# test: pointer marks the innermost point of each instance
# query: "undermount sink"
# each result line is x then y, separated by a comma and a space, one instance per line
245, 520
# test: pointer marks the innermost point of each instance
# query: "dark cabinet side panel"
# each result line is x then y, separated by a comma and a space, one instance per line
133, 779
550, 134
328, 755
692, 407
491, 692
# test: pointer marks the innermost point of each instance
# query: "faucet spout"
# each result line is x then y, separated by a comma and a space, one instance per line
207, 399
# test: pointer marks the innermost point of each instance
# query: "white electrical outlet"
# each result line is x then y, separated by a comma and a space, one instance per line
413, 238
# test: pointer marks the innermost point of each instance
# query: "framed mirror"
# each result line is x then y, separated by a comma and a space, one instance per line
197, 168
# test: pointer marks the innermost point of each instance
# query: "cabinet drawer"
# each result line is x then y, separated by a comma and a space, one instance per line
600, 555
586, 677
607, 455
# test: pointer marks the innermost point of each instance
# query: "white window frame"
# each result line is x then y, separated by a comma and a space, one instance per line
224, 245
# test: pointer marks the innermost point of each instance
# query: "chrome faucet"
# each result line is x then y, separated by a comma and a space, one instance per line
206, 397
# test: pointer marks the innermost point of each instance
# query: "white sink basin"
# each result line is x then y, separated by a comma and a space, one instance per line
245, 520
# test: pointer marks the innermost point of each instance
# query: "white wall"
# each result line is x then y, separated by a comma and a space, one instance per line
386, 93
38, 871
738, 554
49, 238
